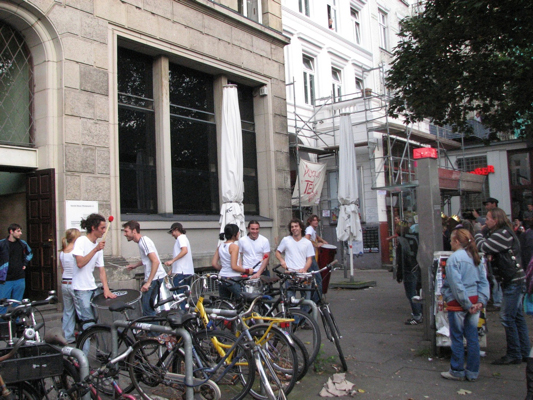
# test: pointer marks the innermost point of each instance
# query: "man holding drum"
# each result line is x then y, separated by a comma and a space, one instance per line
154, 273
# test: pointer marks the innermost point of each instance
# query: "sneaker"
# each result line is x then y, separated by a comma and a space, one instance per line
448, 375
413, 321
471, 379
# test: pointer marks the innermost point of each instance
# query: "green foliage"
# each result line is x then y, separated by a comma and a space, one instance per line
459, 57
321, 362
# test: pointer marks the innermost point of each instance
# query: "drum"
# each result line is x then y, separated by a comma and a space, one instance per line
128, 296
326, 255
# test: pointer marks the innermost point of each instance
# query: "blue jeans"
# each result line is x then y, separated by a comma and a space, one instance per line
12, 290
318, 279
69, 312
410, 282
464, 324
496, 293
229, 290
180, 280
145, 301
84, 308
512, 319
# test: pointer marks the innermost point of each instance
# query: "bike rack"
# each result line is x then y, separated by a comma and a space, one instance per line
187, 341
314, 308
84, 364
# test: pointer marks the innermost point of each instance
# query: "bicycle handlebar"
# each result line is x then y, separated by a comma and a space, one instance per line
181, 297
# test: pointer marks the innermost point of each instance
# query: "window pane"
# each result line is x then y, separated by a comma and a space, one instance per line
138, 179
194, 166
16, 89
519, 169
191, 89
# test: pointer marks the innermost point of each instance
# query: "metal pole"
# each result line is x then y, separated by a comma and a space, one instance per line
84, 365
189, 394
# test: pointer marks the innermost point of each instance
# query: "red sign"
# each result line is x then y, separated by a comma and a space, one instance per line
483, 171
424, 152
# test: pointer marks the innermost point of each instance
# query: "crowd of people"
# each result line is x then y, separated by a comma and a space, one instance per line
467, 288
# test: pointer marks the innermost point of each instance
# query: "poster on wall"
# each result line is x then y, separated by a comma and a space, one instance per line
76, 210
311, 176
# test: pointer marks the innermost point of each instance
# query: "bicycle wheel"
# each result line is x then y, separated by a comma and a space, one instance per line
24, 391
148, 363
236, 382
282, 360
307, 330
303, 357
335, 337
56, 387
97, 345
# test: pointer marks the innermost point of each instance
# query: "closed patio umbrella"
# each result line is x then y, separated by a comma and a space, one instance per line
231, 169
349, 223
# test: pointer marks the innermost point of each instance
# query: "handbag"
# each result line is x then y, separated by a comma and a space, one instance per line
528, 304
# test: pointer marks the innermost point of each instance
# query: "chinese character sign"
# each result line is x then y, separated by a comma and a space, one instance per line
311, 176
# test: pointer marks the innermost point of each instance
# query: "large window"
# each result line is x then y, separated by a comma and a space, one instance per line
470, 201
520, 181
136, 128
356, 25
309, 80
192, 155
16, 89
303, 7
383, 30
336, 85
193, 142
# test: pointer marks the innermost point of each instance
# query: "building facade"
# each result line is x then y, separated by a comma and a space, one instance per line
118, 103
336, 64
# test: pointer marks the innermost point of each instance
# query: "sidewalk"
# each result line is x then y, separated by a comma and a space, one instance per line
390, 360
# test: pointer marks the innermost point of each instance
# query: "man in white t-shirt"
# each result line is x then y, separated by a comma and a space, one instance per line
154, 273
89, 255
182, 263
298, 251
254, 250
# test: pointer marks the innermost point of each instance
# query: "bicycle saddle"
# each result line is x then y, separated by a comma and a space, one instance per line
248, 297
269, 279
177, 320
120, 306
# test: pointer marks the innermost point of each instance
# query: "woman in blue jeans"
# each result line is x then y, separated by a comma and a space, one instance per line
465, 290
499, 242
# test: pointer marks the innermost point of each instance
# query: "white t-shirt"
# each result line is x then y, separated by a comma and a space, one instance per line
68, 262
146, 246
225, 261
184, 265
296, 252
83, 278
310, 231
253, 251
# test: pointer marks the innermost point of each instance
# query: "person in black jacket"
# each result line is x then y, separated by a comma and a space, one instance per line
499, 242
408, 270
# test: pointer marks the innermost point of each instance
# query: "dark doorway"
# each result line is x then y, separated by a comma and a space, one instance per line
41, 275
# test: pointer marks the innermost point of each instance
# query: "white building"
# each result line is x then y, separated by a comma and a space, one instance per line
336, 63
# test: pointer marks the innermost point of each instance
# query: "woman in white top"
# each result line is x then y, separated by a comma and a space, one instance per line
226, 261
68, 263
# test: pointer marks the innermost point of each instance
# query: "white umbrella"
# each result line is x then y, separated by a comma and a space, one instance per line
231, 175
348, 224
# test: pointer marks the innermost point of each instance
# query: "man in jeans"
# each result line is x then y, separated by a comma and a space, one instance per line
89, 255
15, 255
153, 270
